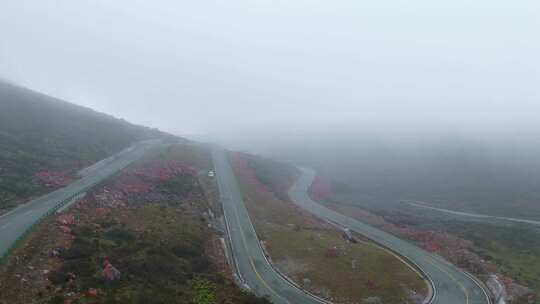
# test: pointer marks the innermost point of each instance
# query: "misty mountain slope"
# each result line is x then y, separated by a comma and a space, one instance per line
498, 175
41, 133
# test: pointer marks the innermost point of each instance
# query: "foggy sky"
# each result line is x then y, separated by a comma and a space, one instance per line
222, 67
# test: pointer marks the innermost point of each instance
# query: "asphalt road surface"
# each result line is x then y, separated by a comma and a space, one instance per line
452, 286
15, 223
473, 215
251, 265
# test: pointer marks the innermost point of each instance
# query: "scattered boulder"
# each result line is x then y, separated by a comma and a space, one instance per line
110, 273
332, 252
65, 229
66, 219
100, 212
92, 292
371, 284
52, 179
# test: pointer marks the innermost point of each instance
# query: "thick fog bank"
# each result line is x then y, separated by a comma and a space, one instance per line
465, 167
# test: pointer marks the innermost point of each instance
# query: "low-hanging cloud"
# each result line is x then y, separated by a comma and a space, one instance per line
214, 67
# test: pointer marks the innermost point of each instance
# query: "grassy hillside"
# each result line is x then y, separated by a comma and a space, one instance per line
40, 133
140, 237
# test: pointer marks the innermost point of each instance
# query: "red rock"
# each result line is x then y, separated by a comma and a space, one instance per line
320, 188
100, 212
66, 219
110, 273
371, 285
92, 292
52, 179
432, 246
65, 229
331, 252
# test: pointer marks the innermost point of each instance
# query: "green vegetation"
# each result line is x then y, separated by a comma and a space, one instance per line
358, 264
514, 248
204, 291
158, 250
179, 185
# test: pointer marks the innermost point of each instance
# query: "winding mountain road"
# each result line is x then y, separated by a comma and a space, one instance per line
14, 224
451, 285
251, 265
